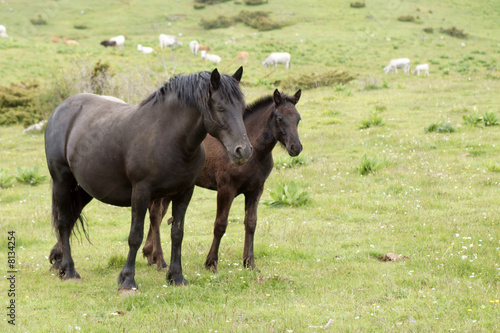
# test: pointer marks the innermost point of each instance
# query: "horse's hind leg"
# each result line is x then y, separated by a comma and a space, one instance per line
225, 199
152, 248
68, 200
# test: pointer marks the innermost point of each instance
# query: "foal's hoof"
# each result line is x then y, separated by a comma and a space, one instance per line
177, 281
56, 266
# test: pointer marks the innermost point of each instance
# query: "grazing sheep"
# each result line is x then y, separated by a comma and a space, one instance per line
204, 48
118, 41
276, 58
55, 39
210, 57
144, 49
70, 42
194, 46
243, 57
36, 127
394, 64
422, 68
3, 31
168, 41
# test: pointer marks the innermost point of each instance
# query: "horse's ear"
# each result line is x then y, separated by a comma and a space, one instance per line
277, 97
215, 79
238, 74
297, 96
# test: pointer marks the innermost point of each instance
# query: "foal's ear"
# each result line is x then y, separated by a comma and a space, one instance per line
296, 97
277, 97
238, 74
215, 79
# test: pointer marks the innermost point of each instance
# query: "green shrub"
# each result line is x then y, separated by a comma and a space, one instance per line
373, 119
80, 26
429, 30
18, 104
259, 20
315, 80
255, 2
371, 165
30, 176
358, 4
38, 21
490, 118
454, 32
440, 127
289, 161
220, 22
198, 6
6, 180
288, 194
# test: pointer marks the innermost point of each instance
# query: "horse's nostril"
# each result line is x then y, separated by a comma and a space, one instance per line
237, 151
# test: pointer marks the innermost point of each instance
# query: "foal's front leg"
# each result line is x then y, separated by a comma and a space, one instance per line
225, 199
140, 203
251, 205
179, 207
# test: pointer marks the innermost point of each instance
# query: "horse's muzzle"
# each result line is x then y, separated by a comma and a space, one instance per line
241, 154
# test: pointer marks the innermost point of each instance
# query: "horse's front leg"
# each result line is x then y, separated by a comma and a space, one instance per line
225, 199
251, 204
152, 248
140, 203
179, 207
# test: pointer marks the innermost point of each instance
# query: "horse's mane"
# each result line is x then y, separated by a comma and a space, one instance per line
192, 90
263, 102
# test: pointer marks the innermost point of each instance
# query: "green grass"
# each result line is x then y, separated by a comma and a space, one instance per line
437, 203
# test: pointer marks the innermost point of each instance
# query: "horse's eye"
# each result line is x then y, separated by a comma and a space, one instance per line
220, 109
279, 119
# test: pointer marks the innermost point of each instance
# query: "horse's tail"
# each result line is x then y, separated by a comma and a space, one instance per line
77, 202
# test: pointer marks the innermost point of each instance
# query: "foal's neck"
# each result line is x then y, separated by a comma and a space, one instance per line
260, 130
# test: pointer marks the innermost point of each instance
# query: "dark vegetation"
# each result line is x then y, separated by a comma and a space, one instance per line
358, 4
38, 21
259, 20
406, 18
429, 30
18, 104
454, 32
315, 80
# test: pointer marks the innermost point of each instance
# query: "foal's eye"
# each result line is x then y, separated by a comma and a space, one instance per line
279, 119
220, 109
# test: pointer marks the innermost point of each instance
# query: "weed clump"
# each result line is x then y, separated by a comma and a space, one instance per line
371, 165
220, 22
315, 80
406, 18
255, 2
358, 4
6, 180
288, 194
440, 127
38, 21
454, 32
490, 118
373, 119
30, 176
80, 26
289, 162
258, 20
429, 30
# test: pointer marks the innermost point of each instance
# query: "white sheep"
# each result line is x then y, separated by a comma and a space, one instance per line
194, 46
3, 31
36, 127
394, 64
210, 57
144, 49
168, 41
422, 68
276, 58
118, 41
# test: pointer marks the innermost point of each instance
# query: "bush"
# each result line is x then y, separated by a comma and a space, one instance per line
219, 22
255, 2
18, 104
406, 18
258, 20
30, 176
358, 4
315, 80
429, 30
454, 32
80, 26
38, 21
288, 194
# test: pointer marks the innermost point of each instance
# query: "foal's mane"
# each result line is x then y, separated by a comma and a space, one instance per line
264, 102
192, 90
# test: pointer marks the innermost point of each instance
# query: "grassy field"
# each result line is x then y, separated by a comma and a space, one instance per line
434, 200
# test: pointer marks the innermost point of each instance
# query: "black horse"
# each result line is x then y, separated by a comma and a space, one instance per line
128, 155
269, 120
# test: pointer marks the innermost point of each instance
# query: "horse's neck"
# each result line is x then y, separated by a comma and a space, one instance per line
260, 132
